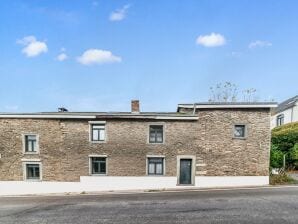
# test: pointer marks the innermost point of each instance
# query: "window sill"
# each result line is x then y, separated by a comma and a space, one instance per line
31, 153
98, 175
97, 142
155, 175
185, 185
33, 180
155, 143
240, 138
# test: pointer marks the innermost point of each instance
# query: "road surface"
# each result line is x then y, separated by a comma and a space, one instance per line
269, 205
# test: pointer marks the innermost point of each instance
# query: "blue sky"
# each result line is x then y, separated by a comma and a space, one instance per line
98, 55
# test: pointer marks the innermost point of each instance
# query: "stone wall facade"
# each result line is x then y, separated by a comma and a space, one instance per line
64, 145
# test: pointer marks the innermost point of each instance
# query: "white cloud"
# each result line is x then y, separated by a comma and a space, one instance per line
211, 40
32, 47
259, 43
61, 57
97, 56
119, 14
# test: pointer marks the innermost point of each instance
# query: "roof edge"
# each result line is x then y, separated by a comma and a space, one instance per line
90, 117
228, 105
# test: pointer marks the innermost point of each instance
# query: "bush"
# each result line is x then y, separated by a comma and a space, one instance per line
281, 179
293, 157
284, 140
276, 157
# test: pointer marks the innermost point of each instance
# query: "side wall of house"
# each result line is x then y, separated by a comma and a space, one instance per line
64, 146
290, 115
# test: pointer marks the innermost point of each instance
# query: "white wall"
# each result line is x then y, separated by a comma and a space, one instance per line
109, 183
290, 115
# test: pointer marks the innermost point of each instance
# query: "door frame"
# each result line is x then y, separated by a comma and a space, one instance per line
193, 169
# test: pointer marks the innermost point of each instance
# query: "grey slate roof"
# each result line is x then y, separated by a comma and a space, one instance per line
286, 104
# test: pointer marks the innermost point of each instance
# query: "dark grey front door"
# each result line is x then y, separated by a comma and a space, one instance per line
185, 171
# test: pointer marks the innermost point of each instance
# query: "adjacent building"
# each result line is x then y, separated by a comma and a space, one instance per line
199, 145
286, 112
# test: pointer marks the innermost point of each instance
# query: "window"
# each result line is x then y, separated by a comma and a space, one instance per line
31, 143
98, 165
33, 171
98, 132
280, 120
239, 131
156, 134
155, 166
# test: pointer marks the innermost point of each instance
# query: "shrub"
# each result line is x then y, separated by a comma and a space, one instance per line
293, 156
281, 179
276, 157
285, 141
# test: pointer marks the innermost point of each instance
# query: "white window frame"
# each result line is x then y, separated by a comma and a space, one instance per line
245, 131
90, 131
163, 133
33, 162
90, 165
24, 143
164, 165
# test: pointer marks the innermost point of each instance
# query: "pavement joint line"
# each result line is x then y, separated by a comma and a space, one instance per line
75, 194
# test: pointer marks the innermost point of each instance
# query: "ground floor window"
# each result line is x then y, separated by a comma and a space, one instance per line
98, 165
155, 166
33, 171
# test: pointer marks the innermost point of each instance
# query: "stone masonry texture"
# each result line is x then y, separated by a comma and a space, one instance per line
64, 145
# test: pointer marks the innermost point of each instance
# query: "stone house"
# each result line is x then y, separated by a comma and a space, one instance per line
200, 145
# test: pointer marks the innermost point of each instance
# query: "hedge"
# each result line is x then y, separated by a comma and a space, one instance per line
284, 140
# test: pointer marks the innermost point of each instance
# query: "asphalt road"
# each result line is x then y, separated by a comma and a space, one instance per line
274, 205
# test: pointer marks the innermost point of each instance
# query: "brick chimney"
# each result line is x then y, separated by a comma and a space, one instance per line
135, 106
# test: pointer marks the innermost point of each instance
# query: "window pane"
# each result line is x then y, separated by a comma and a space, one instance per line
159, 168
155, 160
98, 126
95, 135
32, 171
102, 167
31, 137
33, 146
156, 134
98, 165
155, 166
239, 131
152, 139
102, 135
30, 143
95, 167
159, 137
151, 169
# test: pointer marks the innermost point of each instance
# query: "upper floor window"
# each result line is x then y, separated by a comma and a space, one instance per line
156, 134
239, 131
98, 132
31, 145
280, 120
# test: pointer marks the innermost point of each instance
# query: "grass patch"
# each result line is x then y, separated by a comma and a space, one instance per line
281, 179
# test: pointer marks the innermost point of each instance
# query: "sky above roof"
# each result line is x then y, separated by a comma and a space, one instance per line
98, 55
